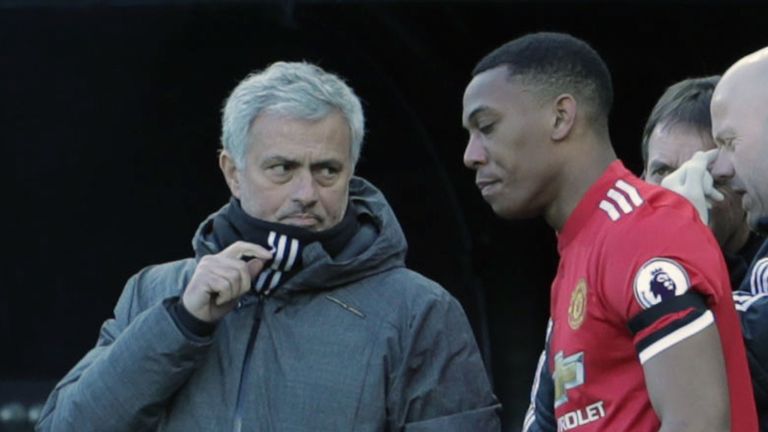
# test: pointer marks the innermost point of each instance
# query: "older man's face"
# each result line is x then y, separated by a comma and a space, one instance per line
296, 172
740, 128
669, 146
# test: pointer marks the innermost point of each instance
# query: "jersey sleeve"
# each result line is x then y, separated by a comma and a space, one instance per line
664, 275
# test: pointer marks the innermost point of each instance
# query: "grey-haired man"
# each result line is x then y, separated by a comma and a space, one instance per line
297, 312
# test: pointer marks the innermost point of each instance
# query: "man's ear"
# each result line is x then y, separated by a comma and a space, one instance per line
231, 174
565, 116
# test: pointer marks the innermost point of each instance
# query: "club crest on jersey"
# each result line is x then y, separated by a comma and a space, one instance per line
659, 279
578, 307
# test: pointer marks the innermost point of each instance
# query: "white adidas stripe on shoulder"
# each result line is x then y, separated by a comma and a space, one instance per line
743, 300
622, 196
630, 190
758, 280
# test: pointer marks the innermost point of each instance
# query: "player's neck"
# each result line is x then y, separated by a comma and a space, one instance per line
586, 164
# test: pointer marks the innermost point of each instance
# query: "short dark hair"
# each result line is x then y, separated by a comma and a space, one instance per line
684, 103
557, 63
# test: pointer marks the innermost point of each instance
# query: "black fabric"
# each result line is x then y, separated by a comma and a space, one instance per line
762, 225
690, 299
235, 224
286, 241
647, 341
187, 322
739, 263
543, 397
762, 252
753, 312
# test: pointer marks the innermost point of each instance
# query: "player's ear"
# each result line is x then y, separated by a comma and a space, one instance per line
229, 169
564, 110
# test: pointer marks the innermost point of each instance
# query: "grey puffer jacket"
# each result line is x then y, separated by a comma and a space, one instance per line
352, 343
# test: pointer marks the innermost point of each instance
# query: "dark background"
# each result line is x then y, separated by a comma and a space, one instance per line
109, 124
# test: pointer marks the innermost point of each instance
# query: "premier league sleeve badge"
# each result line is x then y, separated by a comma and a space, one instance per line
659, 279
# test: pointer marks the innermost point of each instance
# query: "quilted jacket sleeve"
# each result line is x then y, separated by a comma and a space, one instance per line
123, 383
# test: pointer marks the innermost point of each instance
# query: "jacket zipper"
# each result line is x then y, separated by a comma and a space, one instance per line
245, 372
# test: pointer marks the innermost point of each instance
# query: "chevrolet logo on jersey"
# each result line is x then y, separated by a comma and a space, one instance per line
569, 373
580, 417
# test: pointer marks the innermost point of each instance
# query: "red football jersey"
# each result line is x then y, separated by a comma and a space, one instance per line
638, 273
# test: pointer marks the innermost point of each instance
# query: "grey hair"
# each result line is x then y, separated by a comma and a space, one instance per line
295, 89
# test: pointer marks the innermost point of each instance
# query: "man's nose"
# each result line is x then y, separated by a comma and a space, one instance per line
474, 154
305, 189
722, 168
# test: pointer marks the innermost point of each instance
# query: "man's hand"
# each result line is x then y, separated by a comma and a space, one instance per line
693, 181
219, 280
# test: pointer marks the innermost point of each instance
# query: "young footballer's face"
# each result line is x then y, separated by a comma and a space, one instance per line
509, 144
295, 172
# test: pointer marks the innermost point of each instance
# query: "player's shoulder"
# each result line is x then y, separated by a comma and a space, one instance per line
747, 302
657, 222
636, 206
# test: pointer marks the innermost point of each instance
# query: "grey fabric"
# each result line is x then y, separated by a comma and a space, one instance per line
359, 343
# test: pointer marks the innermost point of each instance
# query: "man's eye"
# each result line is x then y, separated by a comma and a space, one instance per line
328, 172
279, 169
486, 129
662, 171
725, 144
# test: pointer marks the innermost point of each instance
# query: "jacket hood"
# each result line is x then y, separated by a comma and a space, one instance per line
379, 244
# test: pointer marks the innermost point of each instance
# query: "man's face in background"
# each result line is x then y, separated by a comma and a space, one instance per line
740, 128
669, 146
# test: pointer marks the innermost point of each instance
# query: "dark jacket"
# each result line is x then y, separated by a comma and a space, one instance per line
752, 303
352, 343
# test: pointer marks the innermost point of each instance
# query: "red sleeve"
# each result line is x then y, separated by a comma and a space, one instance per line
665, 271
